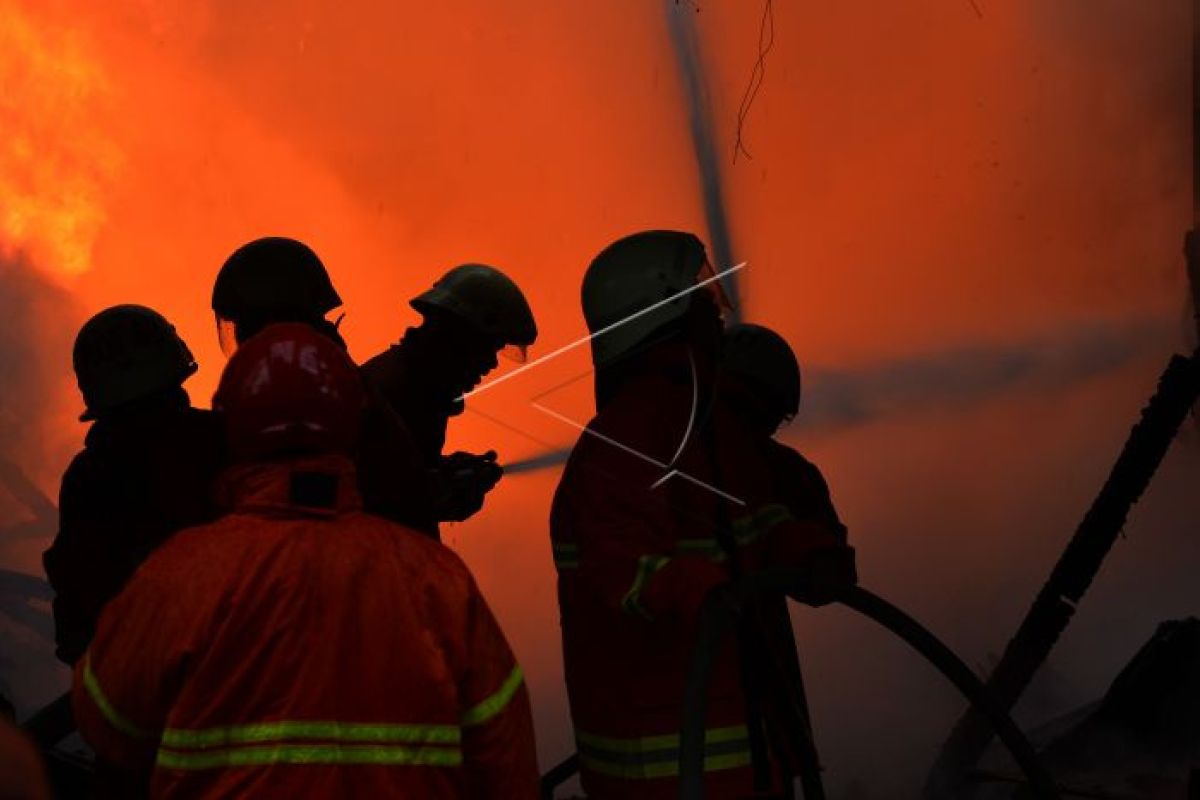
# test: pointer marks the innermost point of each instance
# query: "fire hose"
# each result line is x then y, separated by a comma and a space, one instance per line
717, 618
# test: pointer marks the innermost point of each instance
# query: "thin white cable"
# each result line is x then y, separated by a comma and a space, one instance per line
601, 332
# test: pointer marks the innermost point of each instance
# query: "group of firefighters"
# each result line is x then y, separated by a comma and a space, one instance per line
255, 601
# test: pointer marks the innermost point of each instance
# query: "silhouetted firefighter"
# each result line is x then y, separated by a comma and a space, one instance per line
760, 381
146, 470
665, 498
470, 315
299, 647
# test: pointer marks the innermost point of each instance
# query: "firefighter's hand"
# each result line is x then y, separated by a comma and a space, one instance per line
827, 573
466, 478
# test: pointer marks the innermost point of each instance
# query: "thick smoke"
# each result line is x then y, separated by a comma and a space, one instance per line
960, 378
35, 346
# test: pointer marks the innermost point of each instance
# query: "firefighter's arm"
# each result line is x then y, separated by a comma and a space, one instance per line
816, 549
82, 564
625, 528
499, 752
125, 683
805, 491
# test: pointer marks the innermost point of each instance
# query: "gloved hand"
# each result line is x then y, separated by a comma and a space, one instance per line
466, 478
828, 572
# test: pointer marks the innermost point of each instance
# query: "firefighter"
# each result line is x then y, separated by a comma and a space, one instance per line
299, 646
276, 279
760, 380
471, 315
664, 499
146, 470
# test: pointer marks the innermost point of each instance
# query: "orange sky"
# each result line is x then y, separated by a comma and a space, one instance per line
922, 179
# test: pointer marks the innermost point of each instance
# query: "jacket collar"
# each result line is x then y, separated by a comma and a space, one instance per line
319, 486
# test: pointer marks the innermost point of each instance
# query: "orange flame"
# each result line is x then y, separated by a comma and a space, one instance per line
57, 156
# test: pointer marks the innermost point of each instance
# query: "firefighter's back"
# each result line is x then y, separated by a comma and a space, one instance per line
330, 639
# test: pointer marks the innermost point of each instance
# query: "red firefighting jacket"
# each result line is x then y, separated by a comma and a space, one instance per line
636, 533
301, 648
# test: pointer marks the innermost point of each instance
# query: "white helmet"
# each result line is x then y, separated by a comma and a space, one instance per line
637, 285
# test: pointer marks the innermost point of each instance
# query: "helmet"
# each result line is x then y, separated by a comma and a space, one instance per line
273, 276
125, 353
765, 361
289, 389
488, 299
636, 286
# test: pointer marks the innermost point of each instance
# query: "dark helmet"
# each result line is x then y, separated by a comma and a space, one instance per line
637, 285
766, 364
273, 277
487, 299
125, 353
289, 390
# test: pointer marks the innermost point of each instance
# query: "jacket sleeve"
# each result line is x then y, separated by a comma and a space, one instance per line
799, 522
126, 682
624, 529
84, 564
499, 752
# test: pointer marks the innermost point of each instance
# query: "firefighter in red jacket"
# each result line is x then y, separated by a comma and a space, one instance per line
298, 647
663, 500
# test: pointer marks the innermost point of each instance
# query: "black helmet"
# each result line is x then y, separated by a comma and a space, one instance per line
273, 277
765, 360
125, 353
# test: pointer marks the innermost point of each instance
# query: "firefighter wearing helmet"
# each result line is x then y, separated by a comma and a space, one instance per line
760, 380
469, 316
276, 279
300, 646
665, 499
146, 470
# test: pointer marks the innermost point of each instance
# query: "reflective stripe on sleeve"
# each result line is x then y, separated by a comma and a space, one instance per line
646, 566
658, 756
753, 527
310, 754
493, 705
107, 710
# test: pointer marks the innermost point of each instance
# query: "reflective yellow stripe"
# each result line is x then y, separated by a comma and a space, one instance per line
754, 526
310, 729
646, 744
106, 708
662, 769
493, 705
311, 754
566, 555
658, 756
647, 566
